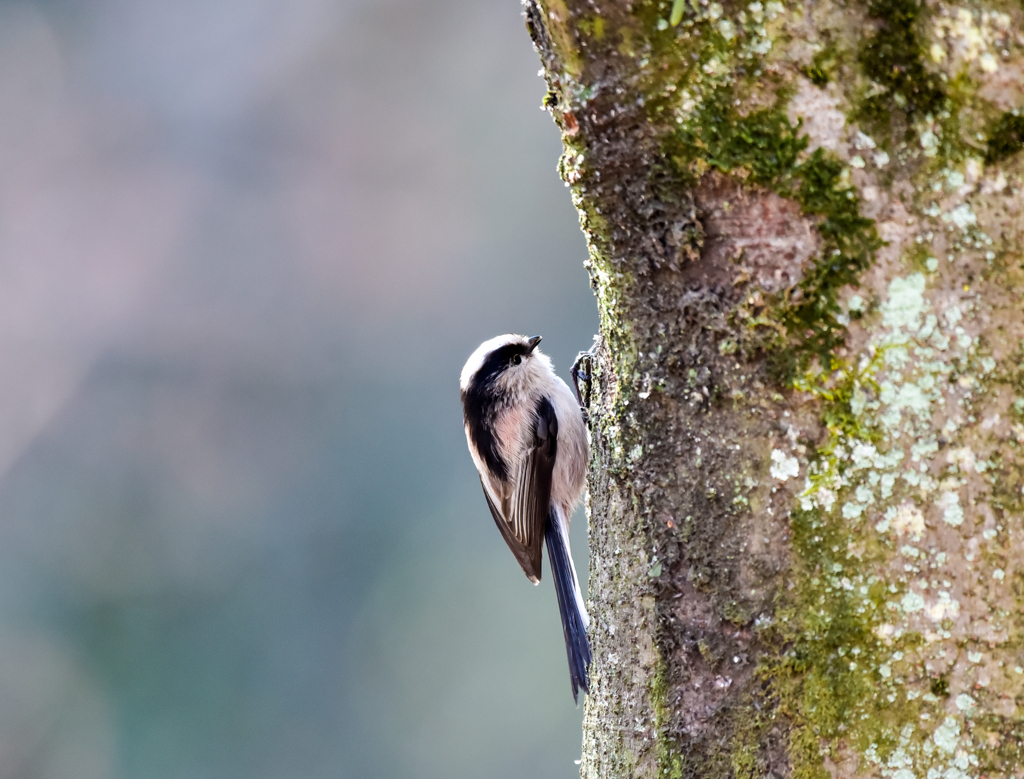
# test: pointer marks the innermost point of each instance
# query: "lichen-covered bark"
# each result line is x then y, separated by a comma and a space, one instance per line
805, 224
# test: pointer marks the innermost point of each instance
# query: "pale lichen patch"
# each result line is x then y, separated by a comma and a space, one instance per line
902, 393
964, 37
783, 467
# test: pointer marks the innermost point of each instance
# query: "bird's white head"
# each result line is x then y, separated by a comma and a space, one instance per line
511, 364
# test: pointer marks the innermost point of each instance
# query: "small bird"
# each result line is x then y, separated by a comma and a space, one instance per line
528, 440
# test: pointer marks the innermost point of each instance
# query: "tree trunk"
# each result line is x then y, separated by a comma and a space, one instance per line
805, 230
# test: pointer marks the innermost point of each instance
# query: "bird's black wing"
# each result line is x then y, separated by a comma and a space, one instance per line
526, 508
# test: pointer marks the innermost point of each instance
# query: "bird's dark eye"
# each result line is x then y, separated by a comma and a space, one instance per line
516, 359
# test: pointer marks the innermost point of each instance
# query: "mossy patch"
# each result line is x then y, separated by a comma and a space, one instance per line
827, 678
669, 755
818, 69
593, 27
764, 144
1007, 754
893, 59
836, 389
767, 149
1005, 138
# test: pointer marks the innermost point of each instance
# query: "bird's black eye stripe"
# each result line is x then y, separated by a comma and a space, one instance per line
500, 359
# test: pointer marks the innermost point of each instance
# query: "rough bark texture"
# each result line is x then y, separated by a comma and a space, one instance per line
805, 228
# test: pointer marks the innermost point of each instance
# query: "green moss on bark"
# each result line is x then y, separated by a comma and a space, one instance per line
670, 760
893, 58
769, 151
1005, 138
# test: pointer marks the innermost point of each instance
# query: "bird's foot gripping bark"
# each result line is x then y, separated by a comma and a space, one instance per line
583, 368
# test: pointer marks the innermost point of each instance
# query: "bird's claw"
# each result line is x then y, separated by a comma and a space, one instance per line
583, 368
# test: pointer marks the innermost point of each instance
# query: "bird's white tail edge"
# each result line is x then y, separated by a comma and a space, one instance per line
581, 605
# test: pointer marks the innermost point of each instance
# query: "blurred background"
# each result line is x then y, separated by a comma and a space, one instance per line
245, 248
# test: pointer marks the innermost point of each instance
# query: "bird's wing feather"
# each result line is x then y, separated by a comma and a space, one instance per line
521, 552
524, 510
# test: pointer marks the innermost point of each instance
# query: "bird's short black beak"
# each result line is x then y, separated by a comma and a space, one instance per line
533, 341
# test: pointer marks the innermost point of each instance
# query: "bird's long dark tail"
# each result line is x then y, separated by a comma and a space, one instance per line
570, 603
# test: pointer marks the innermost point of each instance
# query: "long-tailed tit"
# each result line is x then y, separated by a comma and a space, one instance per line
529, 442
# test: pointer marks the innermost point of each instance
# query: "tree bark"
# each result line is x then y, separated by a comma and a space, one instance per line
805, 229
